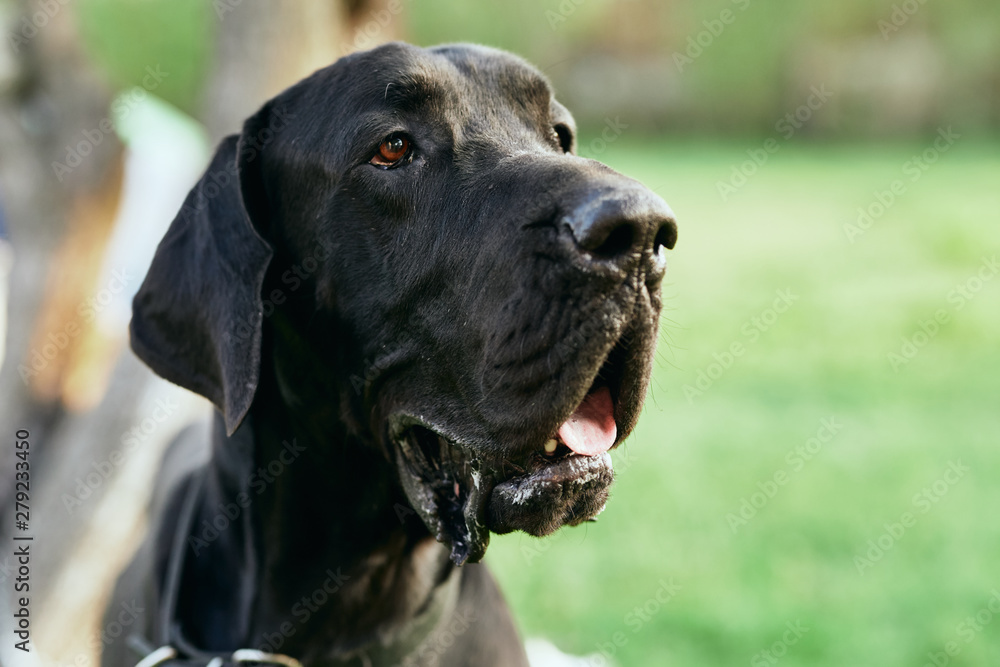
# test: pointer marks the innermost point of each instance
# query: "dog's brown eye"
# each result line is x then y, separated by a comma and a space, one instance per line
391, 151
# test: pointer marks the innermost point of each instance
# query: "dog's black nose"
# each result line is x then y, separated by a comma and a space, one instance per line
617, 226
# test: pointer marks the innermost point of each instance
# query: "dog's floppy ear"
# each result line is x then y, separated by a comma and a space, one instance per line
197, 318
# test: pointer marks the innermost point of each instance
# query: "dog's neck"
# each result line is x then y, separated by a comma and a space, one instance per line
327, 544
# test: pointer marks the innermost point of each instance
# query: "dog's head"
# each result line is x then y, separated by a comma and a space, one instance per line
484, 300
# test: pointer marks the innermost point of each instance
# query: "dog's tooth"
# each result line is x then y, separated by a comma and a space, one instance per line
550, 446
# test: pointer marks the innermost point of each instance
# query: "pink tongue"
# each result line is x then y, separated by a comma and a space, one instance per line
591, 430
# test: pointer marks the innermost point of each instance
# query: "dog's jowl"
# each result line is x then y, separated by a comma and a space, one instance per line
422, 319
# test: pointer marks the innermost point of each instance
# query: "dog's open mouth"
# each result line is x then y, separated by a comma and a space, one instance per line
463, 494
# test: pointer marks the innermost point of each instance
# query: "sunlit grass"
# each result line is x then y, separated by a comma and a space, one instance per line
692, 462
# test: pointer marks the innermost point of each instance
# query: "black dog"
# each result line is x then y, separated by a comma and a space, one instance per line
423, 319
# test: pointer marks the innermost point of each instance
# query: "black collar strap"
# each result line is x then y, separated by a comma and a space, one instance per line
167, 655
176, 651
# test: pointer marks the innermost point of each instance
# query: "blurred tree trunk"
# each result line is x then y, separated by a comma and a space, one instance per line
52, 105
262, 47
60, 176
60, 183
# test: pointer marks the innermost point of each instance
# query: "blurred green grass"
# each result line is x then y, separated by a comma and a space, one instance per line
125, 38
691, 462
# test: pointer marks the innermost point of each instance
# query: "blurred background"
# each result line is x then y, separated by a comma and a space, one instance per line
813, 478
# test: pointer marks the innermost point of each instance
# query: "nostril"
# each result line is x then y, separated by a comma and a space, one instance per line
666, 237
617, 243
615, 228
